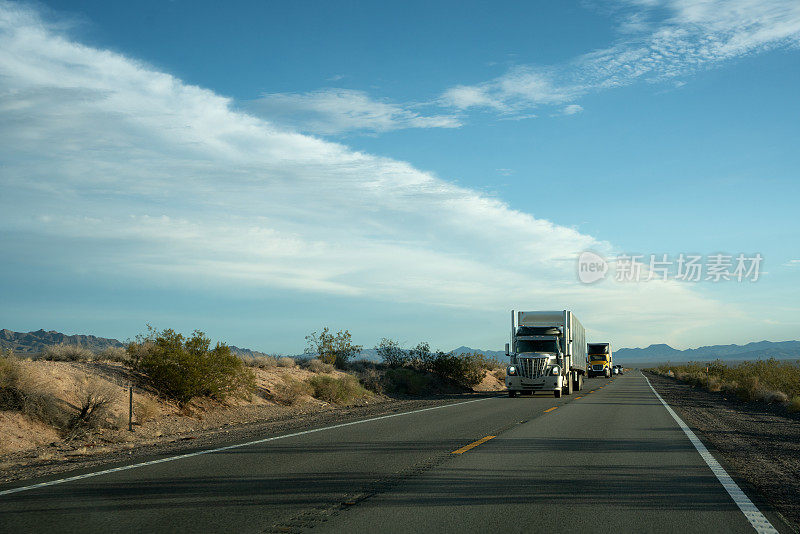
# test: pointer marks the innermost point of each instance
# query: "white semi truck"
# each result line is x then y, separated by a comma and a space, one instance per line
547, 353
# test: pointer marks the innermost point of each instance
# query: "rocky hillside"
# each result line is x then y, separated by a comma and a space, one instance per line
36, 342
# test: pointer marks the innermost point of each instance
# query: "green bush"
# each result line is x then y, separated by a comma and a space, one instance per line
184, 368
467, 370
392, 355
409, 382
332, 349
337, 390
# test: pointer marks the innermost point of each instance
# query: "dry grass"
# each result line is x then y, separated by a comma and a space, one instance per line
261, 362
145, 409
113, 354
500, 374
794, 405
290, 391
286, 361
68, 353
20, 391
93, 399
342, 390
318, 366
769, 381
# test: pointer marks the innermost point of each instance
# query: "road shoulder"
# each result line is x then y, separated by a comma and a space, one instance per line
759, 448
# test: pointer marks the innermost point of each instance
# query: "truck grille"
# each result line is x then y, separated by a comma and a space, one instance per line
598, 367
532, 367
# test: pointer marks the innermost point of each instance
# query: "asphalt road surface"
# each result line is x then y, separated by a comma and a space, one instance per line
610, 458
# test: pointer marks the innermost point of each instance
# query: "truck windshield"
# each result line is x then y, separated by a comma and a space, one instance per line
539, 345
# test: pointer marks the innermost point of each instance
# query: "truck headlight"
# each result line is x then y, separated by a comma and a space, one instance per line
555, 370
511, 370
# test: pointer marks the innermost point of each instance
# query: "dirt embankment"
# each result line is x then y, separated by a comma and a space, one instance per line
30, 448
761, 443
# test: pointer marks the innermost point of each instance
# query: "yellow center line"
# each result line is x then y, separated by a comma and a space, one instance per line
576, 398
472, 445
550, 409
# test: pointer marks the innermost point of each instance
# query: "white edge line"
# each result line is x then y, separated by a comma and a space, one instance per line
760, 523
226, 448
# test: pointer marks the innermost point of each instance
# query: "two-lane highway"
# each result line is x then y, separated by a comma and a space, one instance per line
610, 458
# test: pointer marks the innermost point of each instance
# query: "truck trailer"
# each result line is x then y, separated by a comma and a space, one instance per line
600, 363
547, 353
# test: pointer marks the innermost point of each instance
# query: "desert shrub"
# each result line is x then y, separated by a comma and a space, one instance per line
289, 391
261, 362
20, 392
770, 380
93, 398
421, 357
286, 361
184, 368
68, 353
748, 389
773, 397
409, 381
145, 409
372, 380
466, 370
391, 353
500, 374
315, 365
331, 348
113, 354
794, 405
340, 390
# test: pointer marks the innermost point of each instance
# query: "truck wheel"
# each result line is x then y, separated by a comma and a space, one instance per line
512, 394
569, 385
557, 393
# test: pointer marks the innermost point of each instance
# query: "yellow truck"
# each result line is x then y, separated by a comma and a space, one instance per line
599, 356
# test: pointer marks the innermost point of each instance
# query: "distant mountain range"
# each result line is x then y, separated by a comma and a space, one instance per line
759, 350
38, 341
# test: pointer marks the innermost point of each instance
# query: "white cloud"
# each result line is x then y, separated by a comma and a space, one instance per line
335, 111
696, 34
572, 109
146, 178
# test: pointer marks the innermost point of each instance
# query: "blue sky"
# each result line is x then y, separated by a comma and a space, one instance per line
259, 170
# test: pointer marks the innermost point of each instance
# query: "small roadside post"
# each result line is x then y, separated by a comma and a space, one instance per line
130, 407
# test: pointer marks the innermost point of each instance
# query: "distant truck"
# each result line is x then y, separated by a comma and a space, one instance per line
600, 356
547, 353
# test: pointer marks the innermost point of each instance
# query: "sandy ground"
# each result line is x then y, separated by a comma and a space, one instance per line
761, 443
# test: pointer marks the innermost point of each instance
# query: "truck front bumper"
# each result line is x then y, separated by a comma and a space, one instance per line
542, 383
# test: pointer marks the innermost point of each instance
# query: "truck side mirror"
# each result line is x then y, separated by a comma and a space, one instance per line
507, 349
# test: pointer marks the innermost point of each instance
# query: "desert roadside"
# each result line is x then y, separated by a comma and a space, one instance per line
759, 444
31, 449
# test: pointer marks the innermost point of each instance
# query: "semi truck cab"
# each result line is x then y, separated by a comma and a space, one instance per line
599, 356
546, 353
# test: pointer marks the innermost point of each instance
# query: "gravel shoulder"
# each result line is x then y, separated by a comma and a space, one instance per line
242, 424
760, 443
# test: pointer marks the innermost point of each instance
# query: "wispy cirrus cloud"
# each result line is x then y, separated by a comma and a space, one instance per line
660, 40
337, 111
138, 176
